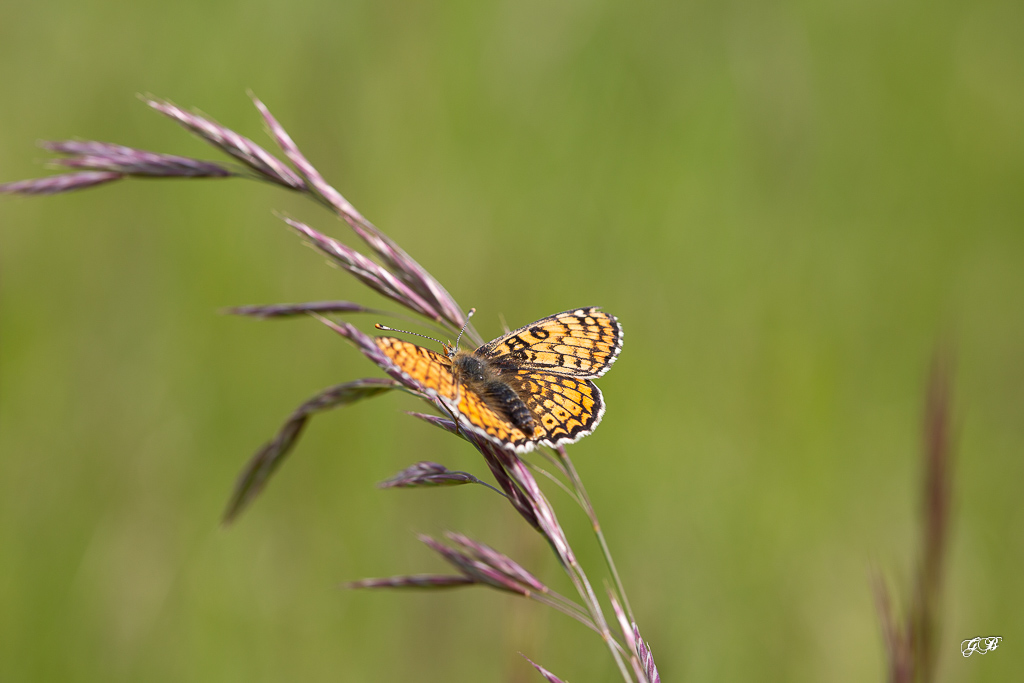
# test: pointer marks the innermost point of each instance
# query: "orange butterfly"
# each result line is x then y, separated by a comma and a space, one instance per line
527, 388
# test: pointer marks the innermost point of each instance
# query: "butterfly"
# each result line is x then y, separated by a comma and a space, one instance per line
528, 388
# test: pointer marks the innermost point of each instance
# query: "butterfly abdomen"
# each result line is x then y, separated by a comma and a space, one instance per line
510, 403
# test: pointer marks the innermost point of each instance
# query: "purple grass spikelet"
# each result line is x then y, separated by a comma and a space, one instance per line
428, 474
643, 650
399, 262
444, 423
491, 557
413, 581
367, 271
548, 676
267, 311
240, 147
105, 156
56, 184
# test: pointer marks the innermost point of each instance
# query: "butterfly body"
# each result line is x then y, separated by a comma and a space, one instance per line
526, 388
497, 384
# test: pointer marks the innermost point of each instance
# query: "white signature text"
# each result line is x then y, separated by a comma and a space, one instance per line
979, 645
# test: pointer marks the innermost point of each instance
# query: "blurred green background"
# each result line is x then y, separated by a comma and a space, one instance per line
789, 206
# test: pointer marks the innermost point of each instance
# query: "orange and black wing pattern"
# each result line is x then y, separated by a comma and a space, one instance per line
582, 342
428, 368
567, 408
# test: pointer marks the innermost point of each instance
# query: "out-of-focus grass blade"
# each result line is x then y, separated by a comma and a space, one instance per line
289, 310
255, 475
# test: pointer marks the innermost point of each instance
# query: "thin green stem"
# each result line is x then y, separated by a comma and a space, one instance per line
566, 607
583, 587
554, 461
588, 507
556, 481
574, 570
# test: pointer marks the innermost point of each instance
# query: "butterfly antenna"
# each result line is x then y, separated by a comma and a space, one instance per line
415, 334
469, 314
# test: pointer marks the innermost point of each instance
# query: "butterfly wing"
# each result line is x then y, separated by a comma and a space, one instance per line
582, 342
428, 368
567, 408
